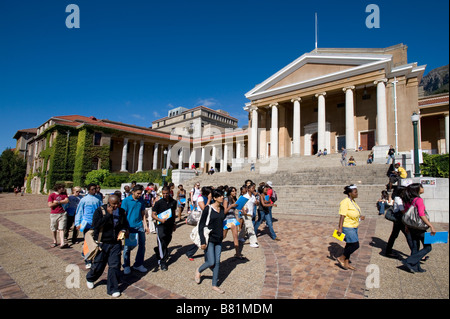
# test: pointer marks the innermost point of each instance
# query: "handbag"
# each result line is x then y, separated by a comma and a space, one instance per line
91, 247
412, 219
195, 236
393, 216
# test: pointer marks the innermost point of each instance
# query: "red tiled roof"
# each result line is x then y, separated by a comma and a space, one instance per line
426, 101
77, 120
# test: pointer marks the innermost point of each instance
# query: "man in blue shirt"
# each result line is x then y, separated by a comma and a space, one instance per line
85, 212
135, 208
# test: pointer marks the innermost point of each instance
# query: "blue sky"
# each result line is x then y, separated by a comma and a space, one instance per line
131, 61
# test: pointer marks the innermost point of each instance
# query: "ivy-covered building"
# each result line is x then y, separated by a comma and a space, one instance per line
66, 148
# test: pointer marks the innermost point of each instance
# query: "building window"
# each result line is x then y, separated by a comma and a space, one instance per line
97, 139
95, 163
192, 114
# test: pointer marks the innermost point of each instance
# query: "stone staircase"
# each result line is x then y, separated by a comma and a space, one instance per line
310, 185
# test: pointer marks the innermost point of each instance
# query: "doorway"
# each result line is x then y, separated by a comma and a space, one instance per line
314, 143
367, 140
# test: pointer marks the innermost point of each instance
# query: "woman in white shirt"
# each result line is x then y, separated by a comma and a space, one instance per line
398, 226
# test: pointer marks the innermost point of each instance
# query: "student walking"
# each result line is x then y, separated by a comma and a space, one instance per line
135, 208
111, 222
411, 197
350, 214
58, 216
85, 211
74, 200
231, 222
247, 215
266, 214
212, 247
203, 200
165, 226
398, 226
181, 200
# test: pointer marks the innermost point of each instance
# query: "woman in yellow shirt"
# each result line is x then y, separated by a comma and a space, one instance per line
350, 215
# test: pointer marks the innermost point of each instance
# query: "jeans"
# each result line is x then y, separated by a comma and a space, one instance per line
109, 255
396, 228
267, 216
382, 207
139, 261
417, 236
212, 260
191, 252
391, 157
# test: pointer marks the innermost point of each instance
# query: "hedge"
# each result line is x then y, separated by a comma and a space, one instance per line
435, 165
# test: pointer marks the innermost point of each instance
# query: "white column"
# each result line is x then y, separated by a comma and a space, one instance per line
349, 118
225, 157
169, 153
321, 123
141, 156
446, 134
296, 131
180, 159
381, 112
213, 157
202, 158
238, 150
155, 156
274, 131
124, 155
191, 157
254, 146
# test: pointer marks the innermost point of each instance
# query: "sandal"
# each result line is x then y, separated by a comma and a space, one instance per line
341, 264
54, 245
239, 257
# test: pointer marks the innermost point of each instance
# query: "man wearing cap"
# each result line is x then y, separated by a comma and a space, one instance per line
396, 175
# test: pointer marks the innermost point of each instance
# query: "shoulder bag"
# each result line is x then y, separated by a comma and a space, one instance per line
392, 216
91, 247
412, 219
195, 236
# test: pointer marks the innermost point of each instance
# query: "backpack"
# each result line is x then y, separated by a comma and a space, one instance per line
274, 197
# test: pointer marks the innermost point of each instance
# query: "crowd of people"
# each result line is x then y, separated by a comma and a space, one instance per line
122, 223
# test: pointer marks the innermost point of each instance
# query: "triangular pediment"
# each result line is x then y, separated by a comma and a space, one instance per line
310, 71
315, 68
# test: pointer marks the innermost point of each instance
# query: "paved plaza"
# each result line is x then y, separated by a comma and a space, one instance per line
301, 265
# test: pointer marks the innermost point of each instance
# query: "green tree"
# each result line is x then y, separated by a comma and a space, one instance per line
12, 170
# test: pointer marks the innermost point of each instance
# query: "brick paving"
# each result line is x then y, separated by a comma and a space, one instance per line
301, 265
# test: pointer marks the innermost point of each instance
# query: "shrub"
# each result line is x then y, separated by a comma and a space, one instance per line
435, 165
97, 176
115, 180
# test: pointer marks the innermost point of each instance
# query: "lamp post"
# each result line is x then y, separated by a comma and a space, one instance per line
165, 168
415, 120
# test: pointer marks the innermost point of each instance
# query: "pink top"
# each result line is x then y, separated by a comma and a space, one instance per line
418, 202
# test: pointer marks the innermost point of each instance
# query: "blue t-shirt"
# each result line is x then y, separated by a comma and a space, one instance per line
133, 208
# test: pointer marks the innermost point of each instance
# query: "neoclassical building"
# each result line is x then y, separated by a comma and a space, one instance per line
334, 98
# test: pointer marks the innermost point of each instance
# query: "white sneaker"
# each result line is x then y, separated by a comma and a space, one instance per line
89, 284
141, 268
254, 245
116, 294
126, 270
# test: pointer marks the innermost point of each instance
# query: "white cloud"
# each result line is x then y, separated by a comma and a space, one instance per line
138, 116
208, 102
